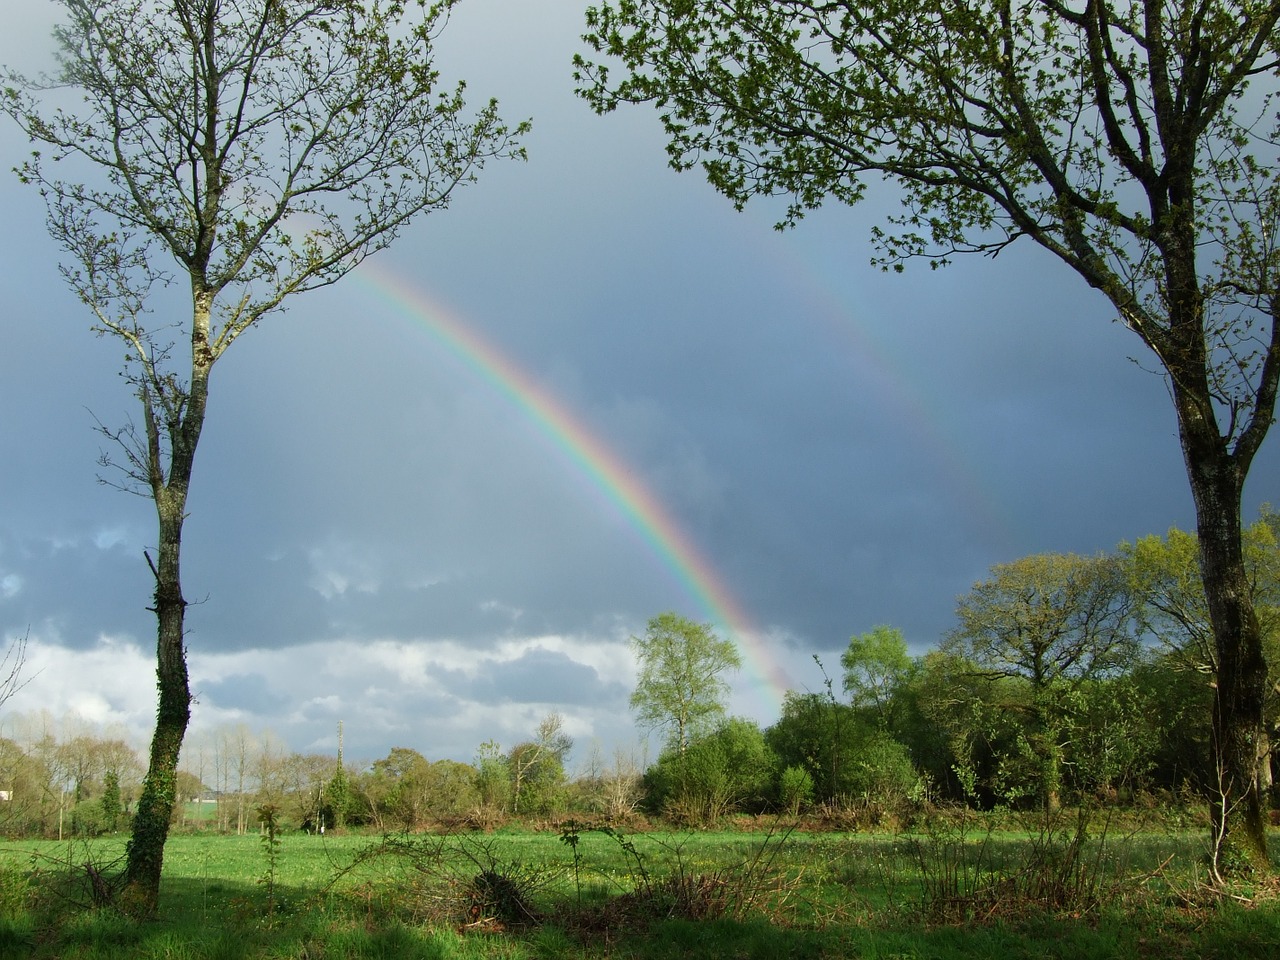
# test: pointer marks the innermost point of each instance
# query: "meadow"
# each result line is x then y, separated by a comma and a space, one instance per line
977, 887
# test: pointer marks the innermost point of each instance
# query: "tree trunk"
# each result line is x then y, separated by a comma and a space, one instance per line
182, 423
1238, 807
159, 790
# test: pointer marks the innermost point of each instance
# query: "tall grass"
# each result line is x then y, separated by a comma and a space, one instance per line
956, 887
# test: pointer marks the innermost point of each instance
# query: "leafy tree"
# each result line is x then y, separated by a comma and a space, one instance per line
881, 772
1165, 574
1114, 730
261, 148
876, 665
112, 808
340, 804
681, 684
1051, 620
493, 781
964, 726
537, 767
795, 789
818, 734
846, 754
394, 786
1177, 701
448, 789
1136, 142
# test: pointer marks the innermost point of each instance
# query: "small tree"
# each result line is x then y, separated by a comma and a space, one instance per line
681, 684
795, 789
537, 767
492, 779
876, 666
821, 735
261, 149
112, 808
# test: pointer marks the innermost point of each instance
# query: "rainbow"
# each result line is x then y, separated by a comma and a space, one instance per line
828, 306
602, 468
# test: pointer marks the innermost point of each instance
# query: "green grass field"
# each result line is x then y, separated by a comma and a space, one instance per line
949, 893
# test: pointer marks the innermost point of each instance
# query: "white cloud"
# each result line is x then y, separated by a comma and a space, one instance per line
110, 684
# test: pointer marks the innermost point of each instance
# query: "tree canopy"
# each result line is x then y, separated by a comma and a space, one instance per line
875, 665
681, 684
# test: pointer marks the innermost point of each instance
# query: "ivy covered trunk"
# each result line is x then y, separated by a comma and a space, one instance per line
180, 435
159, 790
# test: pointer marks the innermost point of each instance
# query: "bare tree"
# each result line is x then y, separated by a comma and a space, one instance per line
11, 664
257, 149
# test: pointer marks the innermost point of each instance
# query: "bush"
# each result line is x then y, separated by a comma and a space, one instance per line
89, 820
729, 770
795, 789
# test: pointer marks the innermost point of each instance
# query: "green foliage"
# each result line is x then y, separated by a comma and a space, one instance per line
881, 771
795, 789
341, 805
536, 768
876, 666
88, 819
1113, 730
1166, 580
448, 789
681, 685
1179, 701
1038, 629
846, 755
112, 808
727, 770
493, 779
539, 783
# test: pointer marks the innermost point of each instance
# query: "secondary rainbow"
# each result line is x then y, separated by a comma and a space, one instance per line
604, 470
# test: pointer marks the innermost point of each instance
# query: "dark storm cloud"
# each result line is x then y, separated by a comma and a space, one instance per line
248, 692
72, 591
845, 448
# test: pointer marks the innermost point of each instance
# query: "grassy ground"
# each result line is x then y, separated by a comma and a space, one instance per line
960, 891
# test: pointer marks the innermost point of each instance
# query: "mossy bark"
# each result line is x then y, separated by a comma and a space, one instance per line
145, 853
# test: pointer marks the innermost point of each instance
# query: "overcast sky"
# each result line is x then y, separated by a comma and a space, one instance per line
386, 529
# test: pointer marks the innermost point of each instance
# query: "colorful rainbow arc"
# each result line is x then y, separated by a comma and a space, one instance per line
599, 464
